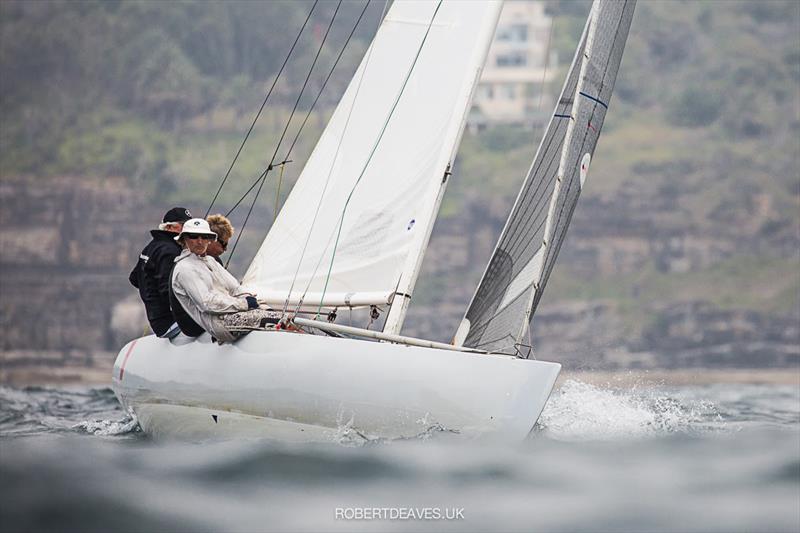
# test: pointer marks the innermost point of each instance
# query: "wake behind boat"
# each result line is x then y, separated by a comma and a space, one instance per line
352, 234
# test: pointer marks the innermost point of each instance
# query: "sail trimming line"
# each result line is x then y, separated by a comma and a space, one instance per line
270, 166
372, 152
403, 180
299, 301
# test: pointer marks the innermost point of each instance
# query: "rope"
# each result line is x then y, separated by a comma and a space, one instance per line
264, 103
325, 188
303, 88
263, 177
278, 195
372, 153
327, 78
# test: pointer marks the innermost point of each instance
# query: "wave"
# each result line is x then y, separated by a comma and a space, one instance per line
110, 428
38, 410
580, 411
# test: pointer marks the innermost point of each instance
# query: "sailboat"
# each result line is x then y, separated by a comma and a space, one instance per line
352, 234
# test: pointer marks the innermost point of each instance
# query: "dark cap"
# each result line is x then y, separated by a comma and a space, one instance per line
177, 214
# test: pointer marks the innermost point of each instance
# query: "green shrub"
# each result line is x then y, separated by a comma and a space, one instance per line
694, 108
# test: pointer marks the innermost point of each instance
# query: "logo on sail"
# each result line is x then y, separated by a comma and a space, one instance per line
585, 167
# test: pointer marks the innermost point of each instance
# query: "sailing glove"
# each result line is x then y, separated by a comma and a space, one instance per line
252, 303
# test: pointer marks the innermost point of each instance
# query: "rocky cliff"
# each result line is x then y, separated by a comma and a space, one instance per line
69, 243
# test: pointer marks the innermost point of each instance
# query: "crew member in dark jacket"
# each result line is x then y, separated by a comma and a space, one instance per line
151, 275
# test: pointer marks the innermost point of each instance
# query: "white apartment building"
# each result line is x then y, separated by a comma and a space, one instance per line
520, 63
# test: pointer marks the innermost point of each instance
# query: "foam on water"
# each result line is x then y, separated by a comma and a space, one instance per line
110, 428
347, 434
580, 411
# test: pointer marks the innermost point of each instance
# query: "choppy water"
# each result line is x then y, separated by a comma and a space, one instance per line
713, 458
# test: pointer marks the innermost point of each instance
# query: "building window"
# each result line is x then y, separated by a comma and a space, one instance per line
512, 59
508, 91
513, 33
485, 91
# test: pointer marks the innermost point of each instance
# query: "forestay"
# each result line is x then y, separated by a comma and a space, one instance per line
356, 224
501, 309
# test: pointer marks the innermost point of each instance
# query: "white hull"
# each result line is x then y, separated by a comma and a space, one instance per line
299, 387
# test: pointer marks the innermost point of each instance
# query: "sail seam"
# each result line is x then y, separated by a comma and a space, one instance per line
550, 193
553, 252
311, 228
374, 148
512, 236
542, 174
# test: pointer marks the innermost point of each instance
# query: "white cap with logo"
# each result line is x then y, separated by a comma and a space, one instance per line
196, 226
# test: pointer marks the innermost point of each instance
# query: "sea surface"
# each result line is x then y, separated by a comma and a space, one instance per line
602, 458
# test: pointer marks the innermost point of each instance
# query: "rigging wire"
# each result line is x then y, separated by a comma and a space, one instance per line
546, 61
372, 153
246, 218
308, 114
253, 186
327, 182
263, 104
270, 166
324, 83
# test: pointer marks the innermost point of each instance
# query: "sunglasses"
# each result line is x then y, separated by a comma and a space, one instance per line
198, 236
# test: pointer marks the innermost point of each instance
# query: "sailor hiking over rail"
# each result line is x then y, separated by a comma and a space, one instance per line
152, 271
211, 296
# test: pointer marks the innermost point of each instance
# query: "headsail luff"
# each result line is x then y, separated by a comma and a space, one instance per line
491, 316
605, 47
375, 177
500, 312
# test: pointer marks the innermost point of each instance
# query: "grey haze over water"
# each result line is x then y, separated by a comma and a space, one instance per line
695, 458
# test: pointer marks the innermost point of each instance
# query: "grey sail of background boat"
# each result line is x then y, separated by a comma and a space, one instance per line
499, 315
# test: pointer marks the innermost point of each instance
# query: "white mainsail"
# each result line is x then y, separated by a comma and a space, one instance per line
499, 314
356, 224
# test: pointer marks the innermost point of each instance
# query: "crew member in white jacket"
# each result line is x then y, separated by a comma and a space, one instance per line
209, 293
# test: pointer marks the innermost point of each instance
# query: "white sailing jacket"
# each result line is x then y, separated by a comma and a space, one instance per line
206, 290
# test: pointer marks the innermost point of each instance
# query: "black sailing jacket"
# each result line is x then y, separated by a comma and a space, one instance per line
151, 276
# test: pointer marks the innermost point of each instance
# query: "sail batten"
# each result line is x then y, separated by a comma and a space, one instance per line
509, 292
